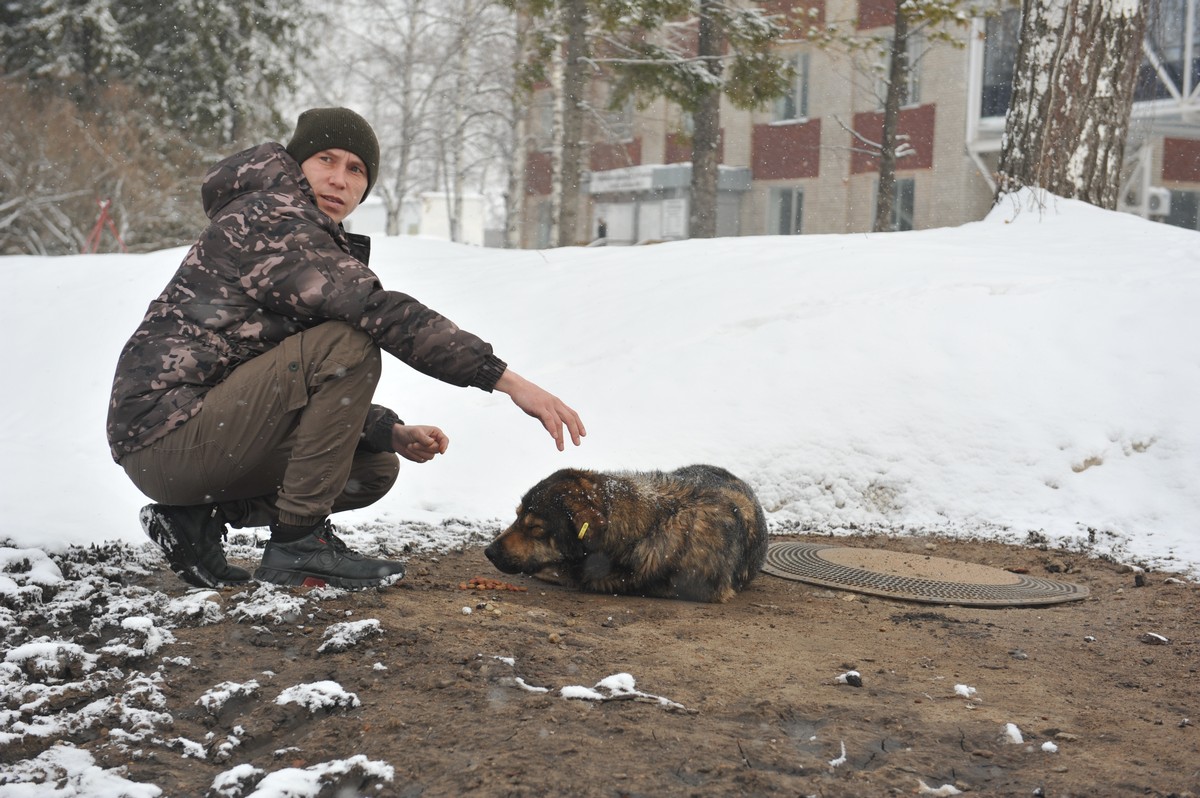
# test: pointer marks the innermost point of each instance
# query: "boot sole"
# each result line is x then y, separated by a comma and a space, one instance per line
187, 567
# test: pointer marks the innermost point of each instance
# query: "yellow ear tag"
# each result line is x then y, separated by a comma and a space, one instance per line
582, 530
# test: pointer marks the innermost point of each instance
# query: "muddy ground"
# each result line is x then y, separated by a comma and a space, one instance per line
752, 702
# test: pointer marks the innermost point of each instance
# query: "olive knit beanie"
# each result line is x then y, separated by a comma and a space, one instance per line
336, 128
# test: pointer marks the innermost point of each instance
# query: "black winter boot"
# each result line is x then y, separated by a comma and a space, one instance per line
321, 558
191, 537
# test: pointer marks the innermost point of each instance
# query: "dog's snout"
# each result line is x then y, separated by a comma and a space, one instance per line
492, 552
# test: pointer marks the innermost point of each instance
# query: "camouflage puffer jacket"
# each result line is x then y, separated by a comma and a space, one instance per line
269, 265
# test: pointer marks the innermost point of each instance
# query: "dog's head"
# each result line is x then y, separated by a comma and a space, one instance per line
556, 521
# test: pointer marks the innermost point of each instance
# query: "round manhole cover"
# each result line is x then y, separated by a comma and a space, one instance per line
912, 577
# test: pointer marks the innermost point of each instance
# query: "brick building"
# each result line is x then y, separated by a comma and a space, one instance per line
793, 168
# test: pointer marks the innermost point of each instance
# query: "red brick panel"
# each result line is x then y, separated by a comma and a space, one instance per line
615, 156
1181, 160
786, 152
538, 173
799, 15
876, 13
916, 123
679, 148
685, 38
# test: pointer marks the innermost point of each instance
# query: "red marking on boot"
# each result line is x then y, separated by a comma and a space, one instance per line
312, 581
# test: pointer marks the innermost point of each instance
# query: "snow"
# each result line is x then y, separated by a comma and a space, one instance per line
839, 760
66, 772
345, 635
1026, 378
849, 677
1029, 373
216, 697
308, 781
314, 696
616, 687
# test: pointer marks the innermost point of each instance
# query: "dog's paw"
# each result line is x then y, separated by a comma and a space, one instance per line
554, 575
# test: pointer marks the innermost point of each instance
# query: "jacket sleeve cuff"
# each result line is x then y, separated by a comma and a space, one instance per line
377, 431
489, 373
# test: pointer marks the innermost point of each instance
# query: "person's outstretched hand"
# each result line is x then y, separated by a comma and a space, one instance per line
418, 443
542, 405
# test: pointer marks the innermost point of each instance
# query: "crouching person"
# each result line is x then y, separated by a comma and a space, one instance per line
245, 396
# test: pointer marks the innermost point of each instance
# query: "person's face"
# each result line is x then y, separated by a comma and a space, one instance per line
339, 180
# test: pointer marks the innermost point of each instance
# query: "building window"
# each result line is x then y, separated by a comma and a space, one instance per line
902, 206
794, 104
617, 125
787, 211
1167, 37
902, 203
1001, 35
544, 225
1185, 210
912, 91
542, 122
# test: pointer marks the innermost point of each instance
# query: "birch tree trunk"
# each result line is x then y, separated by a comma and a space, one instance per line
556, 144
1072, 96
407, 27
455, 173
518, 102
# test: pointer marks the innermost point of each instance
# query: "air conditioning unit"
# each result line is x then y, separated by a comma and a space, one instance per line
1158, 201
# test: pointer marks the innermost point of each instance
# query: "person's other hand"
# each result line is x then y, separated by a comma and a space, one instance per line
542, 405
418, 443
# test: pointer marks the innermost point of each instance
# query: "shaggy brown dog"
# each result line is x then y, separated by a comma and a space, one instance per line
697, 533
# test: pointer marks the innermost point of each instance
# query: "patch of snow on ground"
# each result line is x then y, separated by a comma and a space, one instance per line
216, 697
309, 782
342, 636
315, 696
615, 687
66, 772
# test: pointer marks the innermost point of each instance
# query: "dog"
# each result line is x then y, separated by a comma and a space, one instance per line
697, 533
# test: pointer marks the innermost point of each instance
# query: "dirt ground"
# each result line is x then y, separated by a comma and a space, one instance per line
753, 702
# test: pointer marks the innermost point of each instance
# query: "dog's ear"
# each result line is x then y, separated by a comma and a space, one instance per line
587, 517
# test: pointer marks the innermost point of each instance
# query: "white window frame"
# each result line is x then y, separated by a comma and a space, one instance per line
1000, 39
544, 225
794, 196
1183, 201
618, 125
797, 98
916, 49
542, 120
904, 208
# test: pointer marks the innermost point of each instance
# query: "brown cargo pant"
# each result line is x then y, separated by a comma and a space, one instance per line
278, 438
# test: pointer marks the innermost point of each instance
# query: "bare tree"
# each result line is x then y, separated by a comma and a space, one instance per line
512, 142
706, 128
1072, 96
58, 162
574, 17
895, 98
474, 100
390, 62
435, 78
888, 63
693, 52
